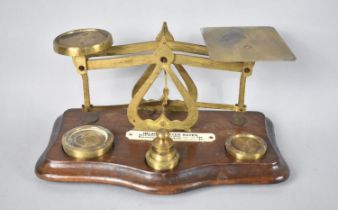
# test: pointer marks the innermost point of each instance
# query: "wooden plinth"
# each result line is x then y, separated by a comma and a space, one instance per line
201, 164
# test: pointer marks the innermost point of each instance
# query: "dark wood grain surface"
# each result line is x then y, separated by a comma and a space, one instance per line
201, 164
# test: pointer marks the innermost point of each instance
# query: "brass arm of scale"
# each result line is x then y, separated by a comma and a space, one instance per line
173, 105
207, 63
177, 105
119, 62
188, 47
130, 49
137, 60
152, 46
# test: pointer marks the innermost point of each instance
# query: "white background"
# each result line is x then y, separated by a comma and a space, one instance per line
37, 85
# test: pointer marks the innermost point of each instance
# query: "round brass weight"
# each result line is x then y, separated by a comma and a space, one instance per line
246, 146
83, 42
162, 155
87, 141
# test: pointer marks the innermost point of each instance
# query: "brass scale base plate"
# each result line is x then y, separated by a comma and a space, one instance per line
201, 164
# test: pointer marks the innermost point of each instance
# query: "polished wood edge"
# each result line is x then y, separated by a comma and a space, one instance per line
161, 183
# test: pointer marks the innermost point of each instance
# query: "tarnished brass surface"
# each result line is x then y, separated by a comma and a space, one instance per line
161, 56
232, 49
82, 42
246, 146
87, 141
162, 155
233, 44
163, 59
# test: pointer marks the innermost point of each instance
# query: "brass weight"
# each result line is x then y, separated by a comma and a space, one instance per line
162, 155
246, 146
87, 141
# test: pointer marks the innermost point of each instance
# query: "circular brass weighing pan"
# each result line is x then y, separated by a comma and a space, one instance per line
87, 141
246, 146
83, 42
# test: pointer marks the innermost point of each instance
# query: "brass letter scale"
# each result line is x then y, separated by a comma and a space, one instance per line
166, 146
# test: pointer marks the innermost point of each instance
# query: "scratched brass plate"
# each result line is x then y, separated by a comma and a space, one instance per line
236, 44
87, 141
246, 146
82, 42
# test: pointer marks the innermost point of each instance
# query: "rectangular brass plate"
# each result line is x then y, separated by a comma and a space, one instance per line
175, 136
240, 44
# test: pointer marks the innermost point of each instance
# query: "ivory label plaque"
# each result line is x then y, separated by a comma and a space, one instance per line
175, 136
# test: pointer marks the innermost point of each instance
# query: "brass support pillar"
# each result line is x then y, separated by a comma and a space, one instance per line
81, 64
242, 91
246, 71
86, 105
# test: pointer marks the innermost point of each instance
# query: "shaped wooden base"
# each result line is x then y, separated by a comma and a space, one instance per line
201, 164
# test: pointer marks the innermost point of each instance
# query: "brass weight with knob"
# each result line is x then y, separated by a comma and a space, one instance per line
162, 154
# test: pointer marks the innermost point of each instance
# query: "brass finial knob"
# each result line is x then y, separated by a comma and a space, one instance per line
162, 155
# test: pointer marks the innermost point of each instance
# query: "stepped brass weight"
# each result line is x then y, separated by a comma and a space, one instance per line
163, 145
